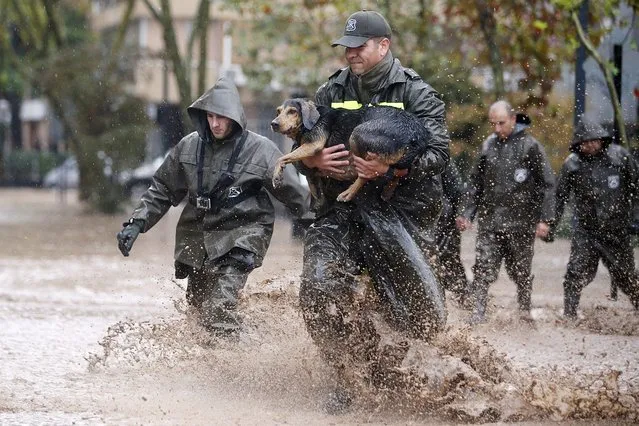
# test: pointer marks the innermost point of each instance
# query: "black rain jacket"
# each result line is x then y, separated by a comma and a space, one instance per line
605, 185
511, 187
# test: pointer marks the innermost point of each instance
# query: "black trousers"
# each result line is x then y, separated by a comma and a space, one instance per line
516, 250
327, 291
340, 245
450, 270
213, 290
616, 253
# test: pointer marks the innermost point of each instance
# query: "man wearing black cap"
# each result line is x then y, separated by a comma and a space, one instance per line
605, 182
373, 77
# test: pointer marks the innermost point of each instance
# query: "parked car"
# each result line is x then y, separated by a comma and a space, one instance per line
136, 181
66, 175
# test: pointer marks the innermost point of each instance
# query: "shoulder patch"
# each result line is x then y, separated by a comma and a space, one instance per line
617, 154
573, 157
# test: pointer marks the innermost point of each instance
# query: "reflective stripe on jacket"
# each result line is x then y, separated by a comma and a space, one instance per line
418, 195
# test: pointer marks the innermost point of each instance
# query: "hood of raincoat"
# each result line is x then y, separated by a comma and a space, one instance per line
221, 99
522, 122
587, 131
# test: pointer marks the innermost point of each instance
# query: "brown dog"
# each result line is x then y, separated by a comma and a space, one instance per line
396, 136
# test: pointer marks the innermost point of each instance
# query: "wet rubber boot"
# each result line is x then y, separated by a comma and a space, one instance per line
480, 294
524, 291
196, 289
571, 302
219, 321
634, 299
633, 293
339, 401
613, 290
219, 308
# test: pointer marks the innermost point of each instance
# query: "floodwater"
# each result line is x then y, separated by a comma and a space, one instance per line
90, 337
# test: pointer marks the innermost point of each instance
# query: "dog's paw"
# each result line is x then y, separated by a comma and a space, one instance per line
278, 176
345, 196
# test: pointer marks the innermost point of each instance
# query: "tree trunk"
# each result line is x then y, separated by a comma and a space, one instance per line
489, 30
15, 104
182, 78
201, 31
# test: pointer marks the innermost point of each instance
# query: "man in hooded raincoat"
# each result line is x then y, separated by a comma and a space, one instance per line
510, 191
224, 173
604, 179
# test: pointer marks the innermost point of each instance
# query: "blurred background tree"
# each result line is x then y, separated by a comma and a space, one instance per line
48, 49
471, 51
606, 11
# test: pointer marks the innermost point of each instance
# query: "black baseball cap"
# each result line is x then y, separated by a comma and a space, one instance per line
362, 26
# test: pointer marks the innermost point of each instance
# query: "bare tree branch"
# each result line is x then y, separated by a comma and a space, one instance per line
122, 29
53, 23
489, 30
153, 10
614, 96
203, 29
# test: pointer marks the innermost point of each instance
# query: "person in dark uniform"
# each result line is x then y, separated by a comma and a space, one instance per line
333, 241
225, 173
510, 191
604, 179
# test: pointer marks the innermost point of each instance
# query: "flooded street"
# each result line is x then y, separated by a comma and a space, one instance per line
90, 337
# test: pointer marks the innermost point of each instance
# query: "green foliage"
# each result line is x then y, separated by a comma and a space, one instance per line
52, 54
455, 85
569, 5
530, 38
103, 116
290, 44
29, 167
552, 126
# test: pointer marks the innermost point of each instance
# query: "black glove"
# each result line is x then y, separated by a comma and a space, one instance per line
128, 234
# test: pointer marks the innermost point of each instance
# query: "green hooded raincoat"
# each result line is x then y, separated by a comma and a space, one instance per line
248, 224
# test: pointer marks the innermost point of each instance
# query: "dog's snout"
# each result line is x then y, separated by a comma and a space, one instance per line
275, 125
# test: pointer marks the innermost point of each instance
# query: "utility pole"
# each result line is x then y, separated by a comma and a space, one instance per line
580, 73
617, 58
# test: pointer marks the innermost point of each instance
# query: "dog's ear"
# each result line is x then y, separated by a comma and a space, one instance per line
310, 115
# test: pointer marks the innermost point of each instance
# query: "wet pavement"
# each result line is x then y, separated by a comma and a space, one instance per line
90, 337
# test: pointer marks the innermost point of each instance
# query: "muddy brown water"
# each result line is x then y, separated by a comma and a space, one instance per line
90, 337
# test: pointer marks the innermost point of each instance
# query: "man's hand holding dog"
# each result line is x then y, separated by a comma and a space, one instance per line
332, 160
370, 167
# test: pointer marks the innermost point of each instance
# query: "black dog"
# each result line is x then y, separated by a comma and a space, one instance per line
396, 136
